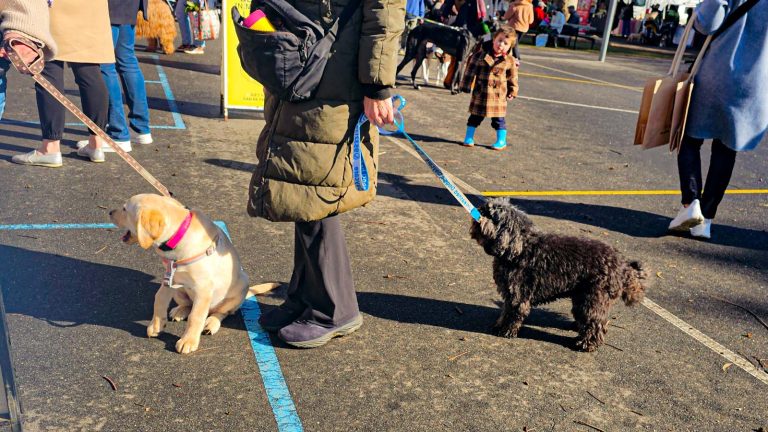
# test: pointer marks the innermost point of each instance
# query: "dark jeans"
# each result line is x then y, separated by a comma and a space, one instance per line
93, 96
322, 276
515, 51
719, 175
498, 123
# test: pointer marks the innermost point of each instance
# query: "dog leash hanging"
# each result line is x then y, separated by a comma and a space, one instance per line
35, 68
360, 173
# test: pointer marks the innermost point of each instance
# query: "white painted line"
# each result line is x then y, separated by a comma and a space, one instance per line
577, 104
660, 311
707, 341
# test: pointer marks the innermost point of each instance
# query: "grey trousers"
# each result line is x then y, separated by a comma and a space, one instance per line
322, 277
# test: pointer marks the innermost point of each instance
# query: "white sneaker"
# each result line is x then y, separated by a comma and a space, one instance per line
125, 145
50, 160
702, 230
687, 217
141, 138
95, 155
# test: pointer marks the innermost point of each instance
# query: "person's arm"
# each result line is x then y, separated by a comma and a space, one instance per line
710, 15
512, 83
508, 14
30, 19
383, 23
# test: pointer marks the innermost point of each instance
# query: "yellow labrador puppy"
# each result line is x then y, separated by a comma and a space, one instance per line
202, 269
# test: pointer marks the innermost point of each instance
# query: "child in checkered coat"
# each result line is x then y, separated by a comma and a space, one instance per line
494, 73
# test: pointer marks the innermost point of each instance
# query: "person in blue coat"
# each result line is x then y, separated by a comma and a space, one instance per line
729, 105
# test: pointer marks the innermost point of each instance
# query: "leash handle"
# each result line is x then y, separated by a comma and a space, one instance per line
358, 164
35, 69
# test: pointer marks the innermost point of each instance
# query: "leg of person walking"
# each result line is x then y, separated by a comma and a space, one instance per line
721, 165
51, 114
515, 49
689, 169
325, 286
472, 123
500, 125
95, 100
133, 81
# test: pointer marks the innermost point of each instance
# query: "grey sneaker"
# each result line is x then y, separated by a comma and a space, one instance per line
95, 155
309, 334
50, 160
687, 217
125, 145
281, 316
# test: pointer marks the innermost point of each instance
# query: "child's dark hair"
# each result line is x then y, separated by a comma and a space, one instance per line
507, 31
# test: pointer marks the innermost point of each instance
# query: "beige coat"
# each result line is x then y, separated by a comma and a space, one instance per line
520, 15
82, 31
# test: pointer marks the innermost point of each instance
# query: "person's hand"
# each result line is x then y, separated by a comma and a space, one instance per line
379, 112
28, 53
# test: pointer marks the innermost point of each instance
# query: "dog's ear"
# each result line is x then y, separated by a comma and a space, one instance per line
487, 227
150, 227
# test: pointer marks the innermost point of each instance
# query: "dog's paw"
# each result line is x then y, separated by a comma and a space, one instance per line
504, 332
187, 344
212, 325
155, 326
180, 313
586, 346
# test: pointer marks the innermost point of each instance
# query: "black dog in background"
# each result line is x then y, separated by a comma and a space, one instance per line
454, 41
532, 268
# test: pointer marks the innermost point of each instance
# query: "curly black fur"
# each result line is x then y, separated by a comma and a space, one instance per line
532, 268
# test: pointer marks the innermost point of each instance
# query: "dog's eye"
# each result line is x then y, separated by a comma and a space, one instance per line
124, 208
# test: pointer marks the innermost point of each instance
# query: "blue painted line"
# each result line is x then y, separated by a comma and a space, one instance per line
178, 122
274, 383
269, 366
57, 226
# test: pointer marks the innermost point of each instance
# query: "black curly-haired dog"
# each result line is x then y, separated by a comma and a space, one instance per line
531, 268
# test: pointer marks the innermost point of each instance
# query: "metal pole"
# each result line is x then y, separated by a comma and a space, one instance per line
10, 396
608, 28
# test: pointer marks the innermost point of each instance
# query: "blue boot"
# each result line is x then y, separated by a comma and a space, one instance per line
501, 140
469, 138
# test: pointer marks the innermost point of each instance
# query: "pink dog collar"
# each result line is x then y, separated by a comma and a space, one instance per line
172, 242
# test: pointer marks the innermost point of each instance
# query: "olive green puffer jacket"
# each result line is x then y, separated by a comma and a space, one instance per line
304, 152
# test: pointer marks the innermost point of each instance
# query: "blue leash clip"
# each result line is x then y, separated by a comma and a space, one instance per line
360, 172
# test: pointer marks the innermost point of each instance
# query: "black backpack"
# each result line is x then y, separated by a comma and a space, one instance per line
288, 62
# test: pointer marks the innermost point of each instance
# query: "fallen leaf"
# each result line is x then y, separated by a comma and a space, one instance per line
747, 335
658, 275
176, 385
726, 366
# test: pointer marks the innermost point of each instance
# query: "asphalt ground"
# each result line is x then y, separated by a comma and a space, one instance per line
689, 359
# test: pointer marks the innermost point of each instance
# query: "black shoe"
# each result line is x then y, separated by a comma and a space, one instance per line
309, 334
281, 316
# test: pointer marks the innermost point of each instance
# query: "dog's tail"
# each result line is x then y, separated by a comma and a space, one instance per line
262, 288
634, 283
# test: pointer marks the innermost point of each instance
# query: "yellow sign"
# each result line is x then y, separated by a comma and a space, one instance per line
239, 90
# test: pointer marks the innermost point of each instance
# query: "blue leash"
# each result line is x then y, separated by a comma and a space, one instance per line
360, 172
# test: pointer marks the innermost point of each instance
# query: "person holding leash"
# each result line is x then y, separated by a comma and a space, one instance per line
304, 161
494, 74
28, 19
729, 105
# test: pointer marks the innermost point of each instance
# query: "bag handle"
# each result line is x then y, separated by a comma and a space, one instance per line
680, 51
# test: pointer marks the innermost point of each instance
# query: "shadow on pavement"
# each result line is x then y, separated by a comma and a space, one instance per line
212, 69
474, 318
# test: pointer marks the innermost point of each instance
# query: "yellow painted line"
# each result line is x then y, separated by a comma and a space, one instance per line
598, 83
609, 192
